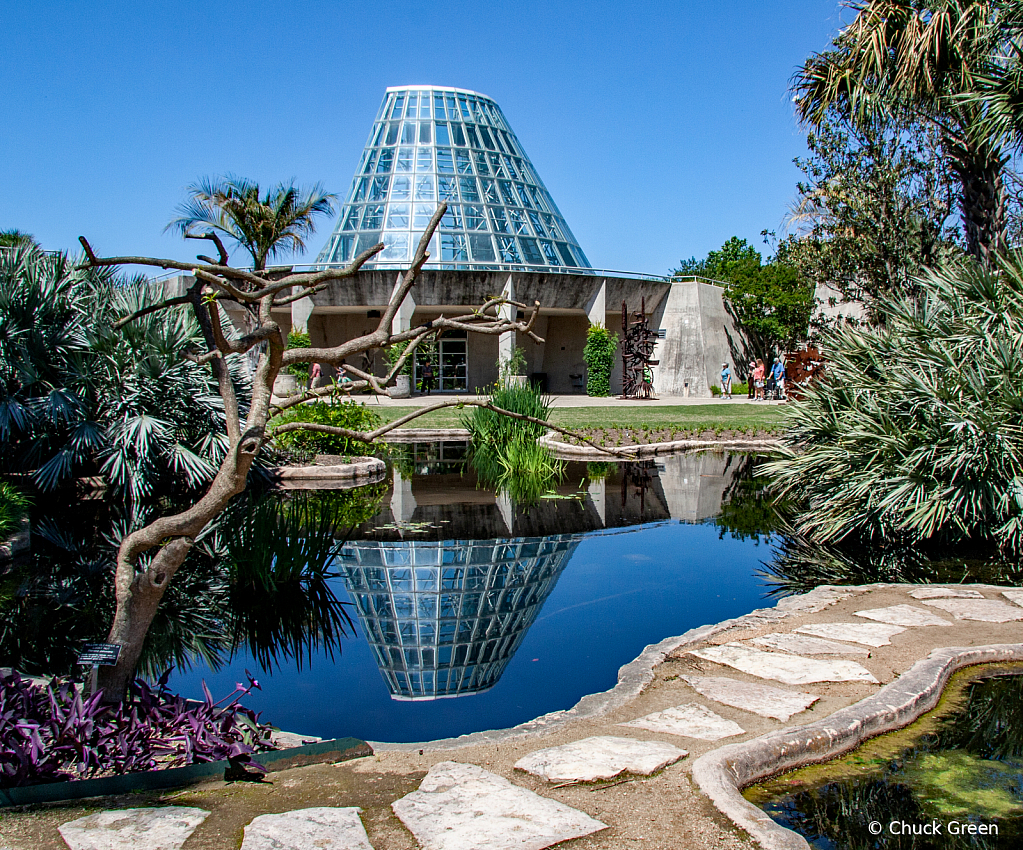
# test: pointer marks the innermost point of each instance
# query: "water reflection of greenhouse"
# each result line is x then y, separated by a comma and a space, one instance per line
444, 618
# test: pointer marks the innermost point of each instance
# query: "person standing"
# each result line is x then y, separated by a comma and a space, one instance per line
726, 381
778, 373
428, 376
758, 380
315, 372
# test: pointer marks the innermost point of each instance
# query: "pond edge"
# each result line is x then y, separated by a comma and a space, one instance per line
722, 773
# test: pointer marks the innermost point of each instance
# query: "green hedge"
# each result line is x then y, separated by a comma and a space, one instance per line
341, 414
599, 354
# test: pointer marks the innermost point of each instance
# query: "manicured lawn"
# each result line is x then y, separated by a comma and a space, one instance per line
688, 418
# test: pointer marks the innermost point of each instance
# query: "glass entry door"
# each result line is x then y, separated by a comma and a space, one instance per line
454, 365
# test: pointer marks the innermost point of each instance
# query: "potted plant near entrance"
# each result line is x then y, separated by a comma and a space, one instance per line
403, 380
513, 370
292, 378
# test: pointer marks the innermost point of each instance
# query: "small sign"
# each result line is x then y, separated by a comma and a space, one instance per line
100, 653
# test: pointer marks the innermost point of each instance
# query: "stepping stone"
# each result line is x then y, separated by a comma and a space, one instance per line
601, 757
790, 669
464, 807
156, 828
984, 610
869, 634
803, 645
946, 593
689, 721
323, 828
903, 615
1014, 596
752, 696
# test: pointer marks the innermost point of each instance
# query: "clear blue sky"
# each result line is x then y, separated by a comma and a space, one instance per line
660, 128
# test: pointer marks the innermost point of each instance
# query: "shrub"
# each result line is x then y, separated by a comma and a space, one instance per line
715, 390
54, 733
13, 507
338, 413
394, 353
740, 389
915, 432
297, 339
599, 354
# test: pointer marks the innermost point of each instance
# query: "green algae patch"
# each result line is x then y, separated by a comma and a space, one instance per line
959, 784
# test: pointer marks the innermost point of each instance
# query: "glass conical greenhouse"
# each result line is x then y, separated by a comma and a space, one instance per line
432, 144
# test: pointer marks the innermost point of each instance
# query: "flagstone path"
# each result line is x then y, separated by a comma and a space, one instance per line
612, 772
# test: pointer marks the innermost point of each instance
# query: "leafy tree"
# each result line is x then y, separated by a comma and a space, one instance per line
918, 62
16, 238
873, 210
266, 225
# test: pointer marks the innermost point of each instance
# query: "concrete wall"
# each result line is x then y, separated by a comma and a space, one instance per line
563, 352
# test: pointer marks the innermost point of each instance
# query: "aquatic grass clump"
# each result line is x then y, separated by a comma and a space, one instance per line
504, 451
916, 433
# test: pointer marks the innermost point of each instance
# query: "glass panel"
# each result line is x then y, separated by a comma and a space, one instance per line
445, 162
566, 254
413, 100
400, 189
481, 163
489, 191
508, 194
404, 161
453, 247
424, 159
538, 198
345, 246
443, 136
359, 193
462, 162
370, 163
452, 110
377, 130
497, 166
378, 191
482, 247
438, 105
508, 250
447, 189
526, 202
500, 222
408, 134
510, 165
421, 215
531, 252
352, 219
367, 241
397, 217
474, 136
475, 219
452, 217
424, 188
466, 114
518, 221
469, 190
395, 246
399, 103
489, 142
509, 141
384, 163
458, 135
534, 219
392, 132
374, 218
552, 226
549, 253
497, 139
425, 133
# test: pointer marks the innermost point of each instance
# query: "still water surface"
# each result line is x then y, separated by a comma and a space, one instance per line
475, 614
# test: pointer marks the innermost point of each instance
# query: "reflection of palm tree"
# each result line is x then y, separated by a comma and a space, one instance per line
264, 225
897, 62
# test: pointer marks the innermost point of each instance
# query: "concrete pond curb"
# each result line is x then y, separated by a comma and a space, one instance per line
569, 451
722, 773
359, 471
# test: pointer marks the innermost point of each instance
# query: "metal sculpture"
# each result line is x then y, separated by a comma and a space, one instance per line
640, 340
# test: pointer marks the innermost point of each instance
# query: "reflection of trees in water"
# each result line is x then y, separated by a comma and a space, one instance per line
260, 579
968, 769
444, 618
748, 510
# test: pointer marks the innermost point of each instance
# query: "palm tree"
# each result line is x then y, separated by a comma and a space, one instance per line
919, 61
265, 226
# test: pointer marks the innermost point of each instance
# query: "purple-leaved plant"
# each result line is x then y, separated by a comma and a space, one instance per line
53, 733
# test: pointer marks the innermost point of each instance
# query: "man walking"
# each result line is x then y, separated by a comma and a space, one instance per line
778, 373
726, 381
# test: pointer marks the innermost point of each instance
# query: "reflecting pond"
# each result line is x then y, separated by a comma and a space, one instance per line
959, 766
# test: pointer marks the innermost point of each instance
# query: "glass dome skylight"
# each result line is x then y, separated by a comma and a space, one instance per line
432, 144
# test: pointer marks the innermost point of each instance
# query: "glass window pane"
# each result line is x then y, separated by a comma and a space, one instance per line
445, 162
371, 162
469, 191
549, 253
566, 254
367, 241
500, 222
378, 190
509, 164
399, 103
408, 134
404, 161
344, 249
466, 114
359, 192
385, 160
452, 217
392, 132
497, 166
421, 215
524, 195
395, 247
425, 133
458, 135
377, 130
413, 100
482, 247
538, 228
352, 219
474, 218
489, 142
443, 137
374, 218
424, 188
489, 191
481, 163
447, 189
453, 247
507, 193
462, 162
438, 105
400, 189
518, 221
398, 217
424, 159
508, 250
531, 252
474, 136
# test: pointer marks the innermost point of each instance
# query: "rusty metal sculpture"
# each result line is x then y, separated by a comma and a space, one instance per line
640, 340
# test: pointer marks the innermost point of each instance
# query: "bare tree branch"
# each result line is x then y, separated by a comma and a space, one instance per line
212, 236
